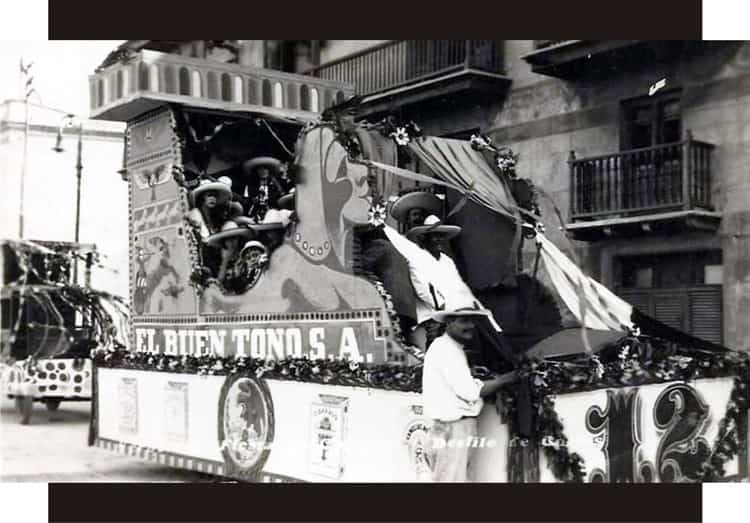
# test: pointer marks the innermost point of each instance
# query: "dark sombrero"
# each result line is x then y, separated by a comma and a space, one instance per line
419, 200
273, 164
228, 231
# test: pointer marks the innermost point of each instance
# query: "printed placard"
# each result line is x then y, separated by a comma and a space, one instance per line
176, 411
327, 436
128, 405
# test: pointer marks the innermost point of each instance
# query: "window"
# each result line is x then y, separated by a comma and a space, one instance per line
651, 121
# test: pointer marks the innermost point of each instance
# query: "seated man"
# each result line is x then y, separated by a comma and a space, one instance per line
211, 201
264, 185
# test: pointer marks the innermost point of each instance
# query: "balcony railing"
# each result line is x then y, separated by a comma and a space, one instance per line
674, 176
171, 75
401, 62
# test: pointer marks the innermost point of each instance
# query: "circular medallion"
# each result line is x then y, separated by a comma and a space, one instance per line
246, 425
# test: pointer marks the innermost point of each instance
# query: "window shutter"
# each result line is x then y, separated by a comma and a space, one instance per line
670, 308
641, 300
706, 313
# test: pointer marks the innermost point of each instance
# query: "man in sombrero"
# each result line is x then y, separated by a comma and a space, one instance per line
381, 258
211, 201
265, 186
411, 209
452, 396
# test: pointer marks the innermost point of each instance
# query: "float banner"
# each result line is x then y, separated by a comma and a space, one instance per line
654, 433
355, 340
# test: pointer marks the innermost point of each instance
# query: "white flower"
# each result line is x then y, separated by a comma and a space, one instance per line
401, 136
377, 215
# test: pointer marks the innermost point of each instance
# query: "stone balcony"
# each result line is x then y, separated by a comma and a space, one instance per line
148, 79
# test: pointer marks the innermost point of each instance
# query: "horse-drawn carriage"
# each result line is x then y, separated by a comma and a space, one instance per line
307, 371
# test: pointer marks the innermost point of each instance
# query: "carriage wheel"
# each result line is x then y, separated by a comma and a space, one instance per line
24, 406
52, 405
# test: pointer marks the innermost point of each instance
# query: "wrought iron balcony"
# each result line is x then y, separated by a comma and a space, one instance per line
410, 65
665, 180
572, 58
148, 78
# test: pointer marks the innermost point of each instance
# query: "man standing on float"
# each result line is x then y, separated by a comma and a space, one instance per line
452, 397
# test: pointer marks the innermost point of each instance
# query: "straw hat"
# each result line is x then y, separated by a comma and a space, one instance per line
443, 316
433, 225
273, 164
419, 200
228, 231
222, 190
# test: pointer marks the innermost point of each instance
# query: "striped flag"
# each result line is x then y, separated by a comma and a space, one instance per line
595, 306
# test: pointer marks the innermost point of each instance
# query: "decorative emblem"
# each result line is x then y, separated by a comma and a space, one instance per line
246, 425
149, 133
416, 441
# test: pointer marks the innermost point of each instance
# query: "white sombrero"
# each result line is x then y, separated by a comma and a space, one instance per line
228, 231
433, 225
442, 316
419, 200
222, 190
262, 161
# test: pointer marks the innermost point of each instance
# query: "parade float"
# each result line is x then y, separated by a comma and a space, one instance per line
304, 372
50, 325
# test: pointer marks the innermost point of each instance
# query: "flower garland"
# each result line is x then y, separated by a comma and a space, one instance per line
326, 372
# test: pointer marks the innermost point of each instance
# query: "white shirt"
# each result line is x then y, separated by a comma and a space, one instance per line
433, 279
448, 390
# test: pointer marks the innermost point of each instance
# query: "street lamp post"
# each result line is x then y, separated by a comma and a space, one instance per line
70, 120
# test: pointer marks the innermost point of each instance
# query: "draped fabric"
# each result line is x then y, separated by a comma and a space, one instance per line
595, 306
457, 166
380, 148
487, 266
466, 170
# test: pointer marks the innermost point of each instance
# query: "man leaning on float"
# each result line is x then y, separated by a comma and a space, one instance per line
448, 316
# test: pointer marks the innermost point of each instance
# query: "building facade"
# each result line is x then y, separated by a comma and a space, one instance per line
50, 186
639, 147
